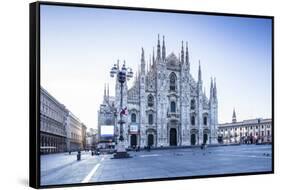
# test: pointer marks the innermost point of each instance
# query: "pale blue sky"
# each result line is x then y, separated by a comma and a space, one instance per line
79, 46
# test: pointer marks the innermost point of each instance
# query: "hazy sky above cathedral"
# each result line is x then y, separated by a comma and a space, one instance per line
80, 45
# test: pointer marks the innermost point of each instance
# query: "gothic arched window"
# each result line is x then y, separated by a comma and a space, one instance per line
192, 120
150, 119
205, 120
173, 80
133, 118
150, 101
192, 104
173, 106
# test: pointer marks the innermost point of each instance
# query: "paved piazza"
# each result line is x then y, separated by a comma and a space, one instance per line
64, 169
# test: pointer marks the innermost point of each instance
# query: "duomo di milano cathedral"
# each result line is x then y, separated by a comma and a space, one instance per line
166, 105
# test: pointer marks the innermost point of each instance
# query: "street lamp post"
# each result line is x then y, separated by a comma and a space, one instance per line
123, 75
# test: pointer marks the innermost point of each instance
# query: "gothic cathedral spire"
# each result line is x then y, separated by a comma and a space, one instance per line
211, 90
104, 93
182, 53
215, 89
199, 73
233, 116
107, 90
163, 49
150, 64
158, 49
187, 57
142, 61
153, 57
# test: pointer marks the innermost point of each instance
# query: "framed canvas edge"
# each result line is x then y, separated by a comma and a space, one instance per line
34, 96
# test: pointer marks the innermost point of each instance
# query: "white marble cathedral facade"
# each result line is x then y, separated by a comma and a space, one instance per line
166, 105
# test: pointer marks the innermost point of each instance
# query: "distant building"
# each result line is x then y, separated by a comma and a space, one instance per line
246, 132
106, 118
84, 134
91, 139
52, 124
74, 133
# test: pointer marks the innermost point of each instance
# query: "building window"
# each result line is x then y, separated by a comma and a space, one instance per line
192, 104
133, 118
205, 120
150, 101
173, 106
173, 80
150, 119
192, 120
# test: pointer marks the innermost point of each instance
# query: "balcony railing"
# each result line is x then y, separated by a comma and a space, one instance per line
173, 115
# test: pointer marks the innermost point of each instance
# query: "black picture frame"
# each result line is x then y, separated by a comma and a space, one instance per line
34, 91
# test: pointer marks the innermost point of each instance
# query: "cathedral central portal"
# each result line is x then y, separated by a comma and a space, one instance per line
173, 137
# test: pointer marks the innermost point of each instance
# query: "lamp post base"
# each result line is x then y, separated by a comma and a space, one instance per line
121, 152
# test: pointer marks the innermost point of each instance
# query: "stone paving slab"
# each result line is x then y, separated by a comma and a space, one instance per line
159, 164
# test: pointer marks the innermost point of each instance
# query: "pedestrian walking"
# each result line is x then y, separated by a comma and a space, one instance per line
203, 147
79, 156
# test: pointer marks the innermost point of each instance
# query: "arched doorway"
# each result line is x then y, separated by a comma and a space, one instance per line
150, 140
205, 138
133, 140
173, 137
193, 139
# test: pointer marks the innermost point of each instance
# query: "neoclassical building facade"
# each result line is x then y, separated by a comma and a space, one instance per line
166, 105
52, 124
60, 129
245, 132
